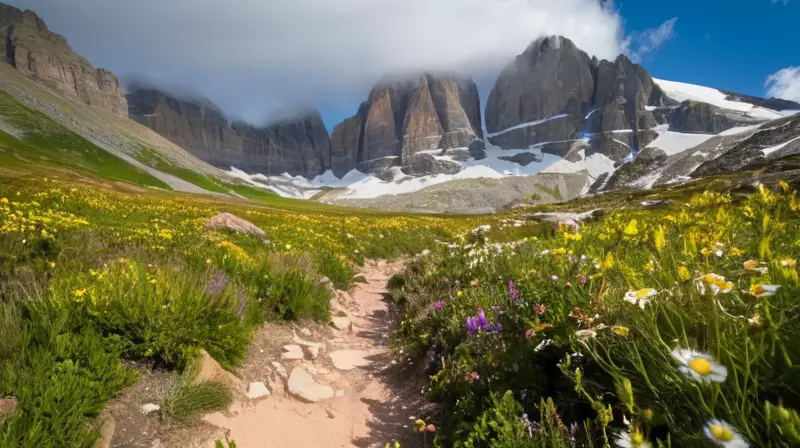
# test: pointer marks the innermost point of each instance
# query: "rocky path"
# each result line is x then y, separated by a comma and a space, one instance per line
343, 393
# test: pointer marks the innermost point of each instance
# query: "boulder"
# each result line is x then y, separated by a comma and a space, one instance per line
8, 406
302, 385
257, 390
341, 323
232, 222
208, 369
280, 369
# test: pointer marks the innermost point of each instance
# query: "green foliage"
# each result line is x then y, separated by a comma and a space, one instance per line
11, 330
47, 143
61, 381
182, 399
577, 335
152, 158
164, 314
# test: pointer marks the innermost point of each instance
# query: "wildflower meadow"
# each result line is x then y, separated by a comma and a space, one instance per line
669, 326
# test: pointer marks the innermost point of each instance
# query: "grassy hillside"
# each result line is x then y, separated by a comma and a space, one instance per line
45, 143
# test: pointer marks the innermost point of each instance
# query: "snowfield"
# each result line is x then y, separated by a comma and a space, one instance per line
680, 92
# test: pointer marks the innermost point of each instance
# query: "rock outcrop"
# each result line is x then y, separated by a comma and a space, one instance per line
401, 119
554, 92
298, 145
773, 140
704, 118
46, 57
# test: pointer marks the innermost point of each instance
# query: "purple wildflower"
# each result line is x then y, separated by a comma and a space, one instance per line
438, 305
472, 325
481, 317
512, 290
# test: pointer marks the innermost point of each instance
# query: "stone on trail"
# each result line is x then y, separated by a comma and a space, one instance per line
292, 351
302, 385
150, 408
349, 359
341, 323
257, 390
311, 349
280, 369
339, 393
235, 223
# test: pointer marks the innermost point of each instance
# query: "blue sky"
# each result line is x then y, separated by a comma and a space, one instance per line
733, 44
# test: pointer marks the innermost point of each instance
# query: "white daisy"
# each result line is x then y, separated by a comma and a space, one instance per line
585, 335
764, 290
628, 440
700, 366
753, 265
542, 345
717, 283
640, 297
724, 435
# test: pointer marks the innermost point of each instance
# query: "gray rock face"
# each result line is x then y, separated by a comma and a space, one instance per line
46, 57
647, 161
401, 119
748, 153
769, 103
704, 118
299, 145
422, 164
554, 92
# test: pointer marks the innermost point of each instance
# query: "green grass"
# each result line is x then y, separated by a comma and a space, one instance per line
152, 158
47, 143
183, 399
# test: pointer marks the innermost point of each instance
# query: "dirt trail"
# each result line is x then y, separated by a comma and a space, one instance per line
375, 406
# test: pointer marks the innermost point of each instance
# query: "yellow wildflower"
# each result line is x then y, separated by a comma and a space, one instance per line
632, 229
79, 292
736, 252
620, 330
684, 273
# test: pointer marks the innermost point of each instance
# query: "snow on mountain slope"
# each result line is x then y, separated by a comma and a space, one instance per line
680, 91
357, 185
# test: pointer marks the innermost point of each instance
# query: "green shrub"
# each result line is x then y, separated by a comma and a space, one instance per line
61, 385
182, 400
158, 313
291, 294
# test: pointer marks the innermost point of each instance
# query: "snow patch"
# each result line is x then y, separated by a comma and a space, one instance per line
680, 92
674, 142
525, 125
772, 149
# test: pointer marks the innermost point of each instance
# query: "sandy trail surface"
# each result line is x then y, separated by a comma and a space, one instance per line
373, 401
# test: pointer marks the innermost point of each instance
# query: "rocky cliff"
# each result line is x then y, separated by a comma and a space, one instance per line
704, 118
35, 51
554, 92
400, 121
299, 145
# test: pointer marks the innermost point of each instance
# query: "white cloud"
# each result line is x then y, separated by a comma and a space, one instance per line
784, 83
650, 40
253, 56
